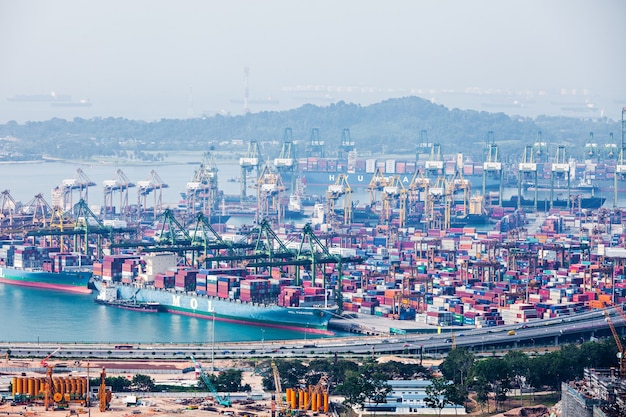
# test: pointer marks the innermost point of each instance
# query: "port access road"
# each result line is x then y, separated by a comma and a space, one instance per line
550, 332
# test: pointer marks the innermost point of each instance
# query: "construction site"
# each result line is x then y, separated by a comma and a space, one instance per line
64, 389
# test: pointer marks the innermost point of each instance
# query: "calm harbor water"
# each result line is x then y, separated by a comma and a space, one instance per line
36, 315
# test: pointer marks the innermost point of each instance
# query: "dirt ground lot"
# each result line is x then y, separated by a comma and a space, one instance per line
170, 405
150, 406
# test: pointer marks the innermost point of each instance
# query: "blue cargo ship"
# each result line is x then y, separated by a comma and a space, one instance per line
68, 281
190, 303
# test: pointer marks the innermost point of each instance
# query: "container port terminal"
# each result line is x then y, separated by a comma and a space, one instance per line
436, 250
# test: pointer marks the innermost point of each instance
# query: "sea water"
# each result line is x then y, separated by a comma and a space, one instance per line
42, 316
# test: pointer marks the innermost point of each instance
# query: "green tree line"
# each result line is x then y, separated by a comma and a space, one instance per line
398, 121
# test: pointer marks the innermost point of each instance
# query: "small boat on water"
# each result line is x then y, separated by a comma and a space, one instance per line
108, 296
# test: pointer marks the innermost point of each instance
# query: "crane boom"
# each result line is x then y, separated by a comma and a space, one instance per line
621, 355
278, 396
44, 362
225, 401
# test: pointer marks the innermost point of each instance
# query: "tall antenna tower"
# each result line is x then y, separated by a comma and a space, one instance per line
246, 92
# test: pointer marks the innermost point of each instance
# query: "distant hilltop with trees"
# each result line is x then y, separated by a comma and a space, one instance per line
394, 126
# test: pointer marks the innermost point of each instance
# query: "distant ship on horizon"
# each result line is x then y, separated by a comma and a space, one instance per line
38, 98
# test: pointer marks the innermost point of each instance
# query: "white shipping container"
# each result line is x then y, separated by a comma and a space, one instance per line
390, 166
420, 318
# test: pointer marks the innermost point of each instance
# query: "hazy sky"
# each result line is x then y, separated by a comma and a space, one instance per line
152, 59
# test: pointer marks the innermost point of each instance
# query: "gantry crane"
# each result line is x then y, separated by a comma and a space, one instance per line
417, 190
341, 188
540, 148
423, 146
433, 167
493, 166
610, 150
591, 147
455, 185
16, 219
286, 163
65, 192
346, 148
120, 184
560, 168
436, 194
8, 210
39, 209
203, 190
316, 147
394, 195
251, 161
527, 168
377, 183
153, 185
270, 189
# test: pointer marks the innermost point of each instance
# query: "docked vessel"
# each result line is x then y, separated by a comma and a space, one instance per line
583, 185
41, 267
319, 173
197, 305
68, 281
108, 296
544, 205
225, 294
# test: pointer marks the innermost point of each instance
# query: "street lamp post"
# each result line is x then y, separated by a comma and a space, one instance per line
213, 344
263, 341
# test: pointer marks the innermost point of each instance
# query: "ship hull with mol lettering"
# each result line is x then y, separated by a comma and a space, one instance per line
229, 310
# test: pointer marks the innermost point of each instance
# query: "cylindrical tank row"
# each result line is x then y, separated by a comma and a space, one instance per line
306, 399
33, 387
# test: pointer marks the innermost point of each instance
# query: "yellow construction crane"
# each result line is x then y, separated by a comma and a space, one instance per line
278, 395
104, 395
621, 355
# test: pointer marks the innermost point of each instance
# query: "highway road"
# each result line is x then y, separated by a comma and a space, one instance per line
550, 332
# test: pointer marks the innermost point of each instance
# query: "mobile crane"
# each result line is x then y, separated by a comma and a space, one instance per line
44, 363
225, 401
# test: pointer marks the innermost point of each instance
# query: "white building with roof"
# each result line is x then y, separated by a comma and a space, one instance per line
407, 397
